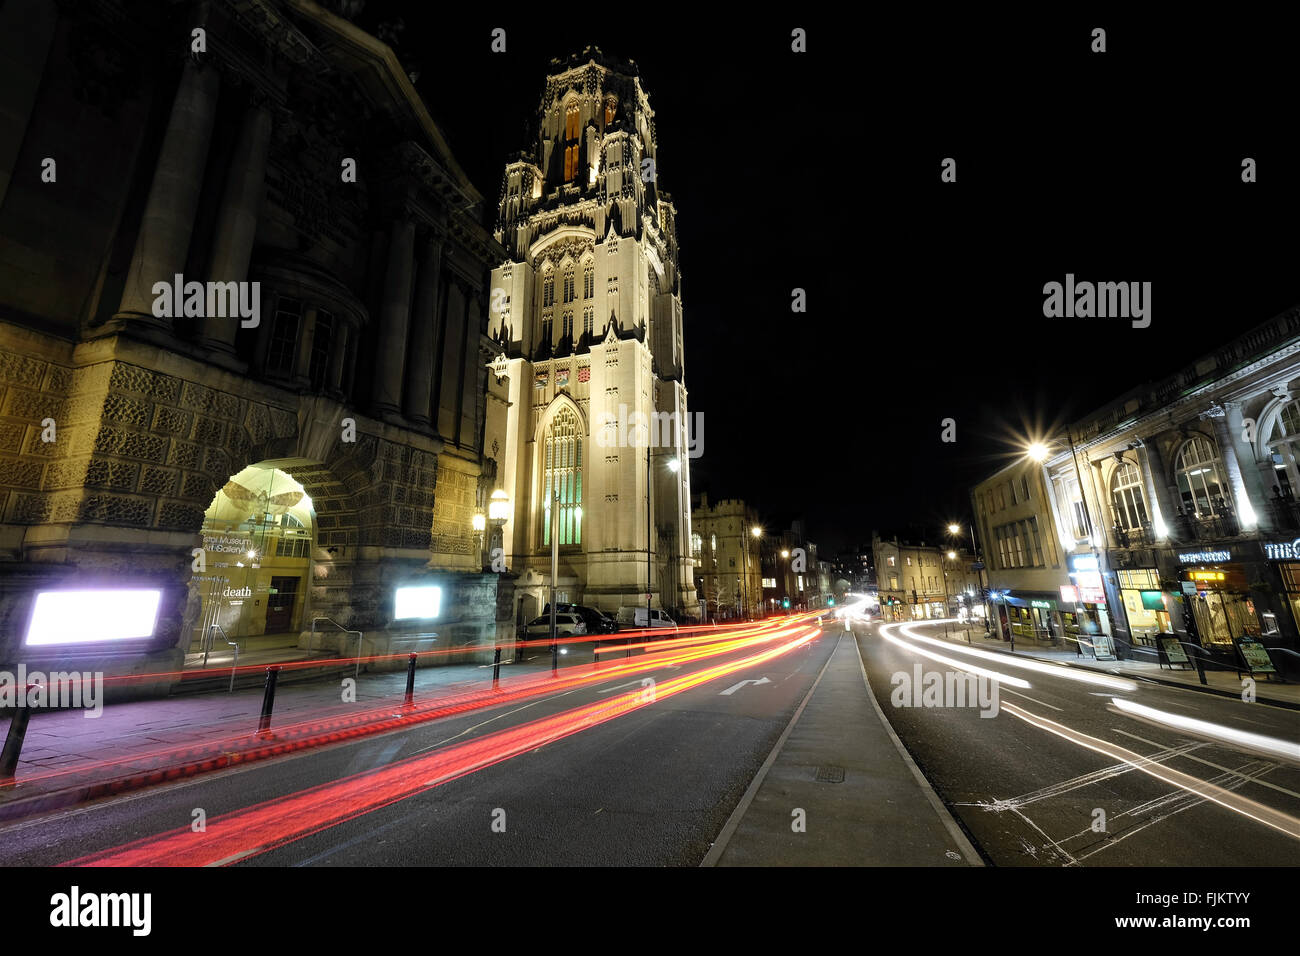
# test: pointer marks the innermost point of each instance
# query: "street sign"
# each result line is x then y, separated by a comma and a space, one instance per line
977, 566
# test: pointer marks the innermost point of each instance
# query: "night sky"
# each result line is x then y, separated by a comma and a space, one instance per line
925, 300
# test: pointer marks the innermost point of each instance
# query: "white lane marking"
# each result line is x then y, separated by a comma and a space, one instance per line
1211, 763
1008, 690
235, 858
1083, 780
610, 690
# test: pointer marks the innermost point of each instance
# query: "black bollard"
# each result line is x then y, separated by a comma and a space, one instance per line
268, 700
496, 668
14, 741
1200, 668
410, 682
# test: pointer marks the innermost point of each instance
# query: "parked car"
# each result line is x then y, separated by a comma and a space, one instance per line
566, 625
636, 617
597, 623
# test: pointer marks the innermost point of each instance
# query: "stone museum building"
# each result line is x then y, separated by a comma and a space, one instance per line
242, 338
587, 410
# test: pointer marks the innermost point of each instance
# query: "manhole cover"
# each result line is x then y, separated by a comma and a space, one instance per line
830, 774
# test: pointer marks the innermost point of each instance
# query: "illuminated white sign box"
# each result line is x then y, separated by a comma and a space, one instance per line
86, 617
416, 602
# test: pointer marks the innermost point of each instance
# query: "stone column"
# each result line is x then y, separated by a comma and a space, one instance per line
1251, 478
448, 409
419, 373
1242, 504
168, 221
1157, 494
394, 319
233, 245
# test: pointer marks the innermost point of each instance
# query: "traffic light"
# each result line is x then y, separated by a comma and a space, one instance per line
785, 602
830, 601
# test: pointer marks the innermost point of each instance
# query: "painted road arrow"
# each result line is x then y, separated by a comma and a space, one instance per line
735, 687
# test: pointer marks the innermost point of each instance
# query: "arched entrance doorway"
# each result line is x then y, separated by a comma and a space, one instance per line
259, 538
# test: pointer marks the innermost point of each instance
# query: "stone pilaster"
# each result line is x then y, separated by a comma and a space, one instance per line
240, 202
419, 373
163, 242
1246, 515
394, 319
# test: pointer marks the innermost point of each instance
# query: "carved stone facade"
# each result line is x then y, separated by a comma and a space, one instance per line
586, 317
362, 375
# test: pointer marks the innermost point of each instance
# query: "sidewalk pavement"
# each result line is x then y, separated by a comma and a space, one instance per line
1223, 683
864, 801
68, 756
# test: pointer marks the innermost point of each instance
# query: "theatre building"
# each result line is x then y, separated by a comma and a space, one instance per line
242, 342
1183, 491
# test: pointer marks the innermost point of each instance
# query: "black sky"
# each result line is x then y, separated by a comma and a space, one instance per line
821, 171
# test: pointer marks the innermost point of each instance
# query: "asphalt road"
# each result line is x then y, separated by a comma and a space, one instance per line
652, 786
1031, 784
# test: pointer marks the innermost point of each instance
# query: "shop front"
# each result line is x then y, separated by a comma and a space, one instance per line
1145, 605
1031, 616
1217, 585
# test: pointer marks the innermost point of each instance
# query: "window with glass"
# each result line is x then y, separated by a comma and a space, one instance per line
568, 286
588, 282
284, 336
1200, 482
588, 320
1127, 498
548, 290
562, 476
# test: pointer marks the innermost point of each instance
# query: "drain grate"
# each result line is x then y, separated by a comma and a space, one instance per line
830, 774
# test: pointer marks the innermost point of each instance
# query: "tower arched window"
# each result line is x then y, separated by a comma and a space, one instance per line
1200, 479
569, 291
588, 282
1128, 498
562, 475
571, 143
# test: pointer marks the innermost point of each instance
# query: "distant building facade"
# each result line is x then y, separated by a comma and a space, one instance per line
918, 581
1177, 503
726, 555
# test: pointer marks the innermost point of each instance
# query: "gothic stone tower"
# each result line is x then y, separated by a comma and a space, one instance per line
587, 315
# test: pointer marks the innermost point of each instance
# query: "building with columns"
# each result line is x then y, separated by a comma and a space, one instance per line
297, 461
1179, 500
587, 407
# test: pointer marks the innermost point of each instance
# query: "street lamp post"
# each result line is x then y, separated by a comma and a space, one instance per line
756, 532
674, 465
555, 573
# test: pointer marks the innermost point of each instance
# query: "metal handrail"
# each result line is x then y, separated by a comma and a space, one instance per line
360, 636
207, 645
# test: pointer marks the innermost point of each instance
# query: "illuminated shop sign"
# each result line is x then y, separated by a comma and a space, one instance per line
1084, 562
1205, 557
85, 617
1283, 550
1045, 605
416, 602
1206, 575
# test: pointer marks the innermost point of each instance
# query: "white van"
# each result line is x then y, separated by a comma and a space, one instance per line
636, 617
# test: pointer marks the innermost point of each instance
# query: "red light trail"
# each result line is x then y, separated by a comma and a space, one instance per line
266, 826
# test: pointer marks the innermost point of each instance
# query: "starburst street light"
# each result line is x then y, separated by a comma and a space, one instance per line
1038, 451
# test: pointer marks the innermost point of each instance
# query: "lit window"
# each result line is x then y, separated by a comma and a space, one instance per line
562, 475
1127, 498
1199, 483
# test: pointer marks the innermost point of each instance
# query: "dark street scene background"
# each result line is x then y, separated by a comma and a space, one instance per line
647, 438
